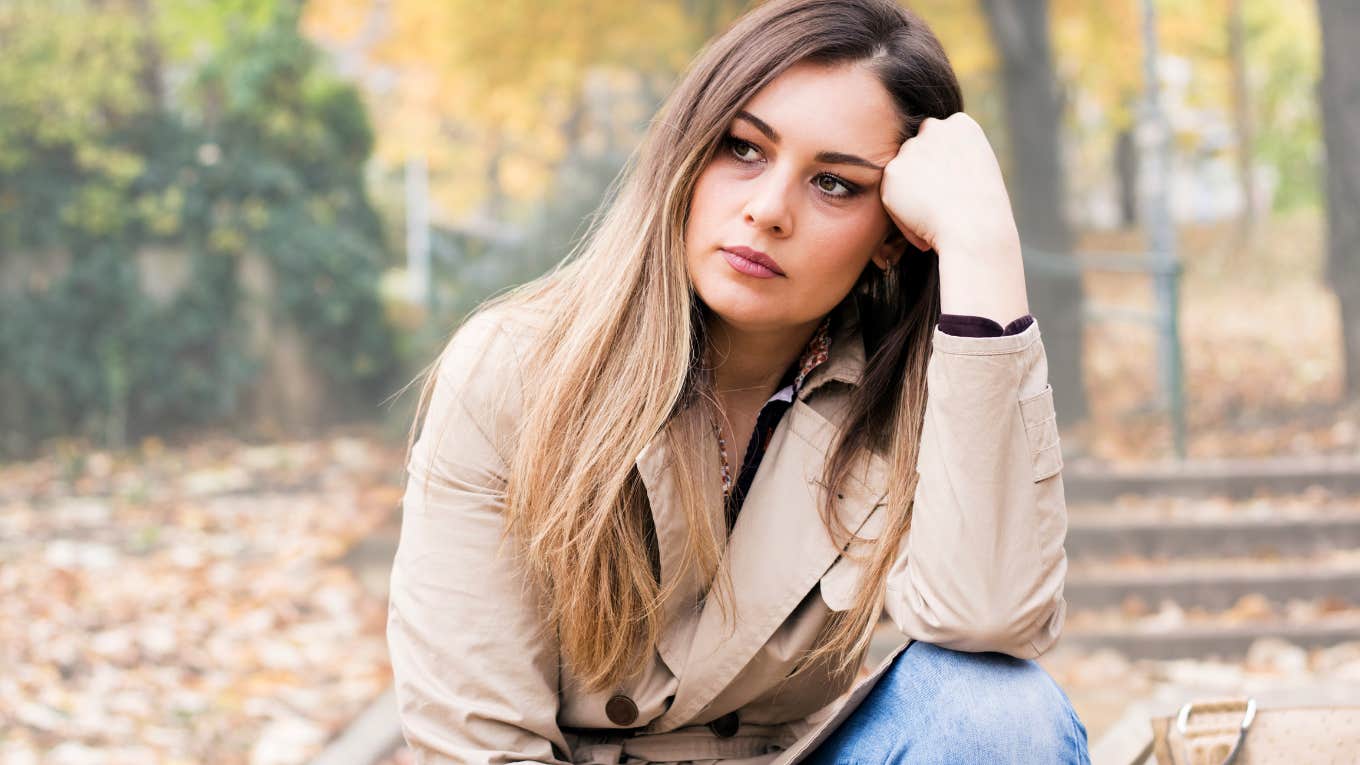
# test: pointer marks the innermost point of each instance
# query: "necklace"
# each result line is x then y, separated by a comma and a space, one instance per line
817, 351
726, 468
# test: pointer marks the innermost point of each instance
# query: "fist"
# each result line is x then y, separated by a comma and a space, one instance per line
944, 189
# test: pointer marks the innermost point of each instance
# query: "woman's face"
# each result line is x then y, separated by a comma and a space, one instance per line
797, 178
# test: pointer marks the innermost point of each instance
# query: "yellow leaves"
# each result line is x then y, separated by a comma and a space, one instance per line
96, 210
66, 74
1283, 29
487, 92
255, 213
117, 165
1098, 47
522, 178
161, 211
225, 240
482, 91
338, 21
98, 205
962, 29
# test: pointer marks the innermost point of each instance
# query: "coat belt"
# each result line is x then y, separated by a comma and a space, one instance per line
694, 742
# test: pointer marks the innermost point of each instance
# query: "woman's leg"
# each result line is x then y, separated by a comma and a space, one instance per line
936, 706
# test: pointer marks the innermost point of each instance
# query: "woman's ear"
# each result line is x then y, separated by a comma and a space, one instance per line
888, 251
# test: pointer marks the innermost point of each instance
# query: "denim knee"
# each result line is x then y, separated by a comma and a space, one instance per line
993, 701
936, 705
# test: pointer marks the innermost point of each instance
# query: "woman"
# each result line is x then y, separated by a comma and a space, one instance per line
663, 493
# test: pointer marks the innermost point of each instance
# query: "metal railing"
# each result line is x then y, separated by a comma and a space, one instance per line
1165, 271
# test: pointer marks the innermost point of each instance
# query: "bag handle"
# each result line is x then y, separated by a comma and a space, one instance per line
1210, 731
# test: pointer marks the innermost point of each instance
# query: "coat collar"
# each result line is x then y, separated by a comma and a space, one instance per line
846, 362
779, 547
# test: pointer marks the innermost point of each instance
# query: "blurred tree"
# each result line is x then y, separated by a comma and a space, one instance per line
1274, 131
1093, 43
144, 183
1034, 109
1339, 94
495, 96
1282, 67
65, 91
1276, 60
1126, 170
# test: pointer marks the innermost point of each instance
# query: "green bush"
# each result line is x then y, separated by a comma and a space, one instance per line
258, 151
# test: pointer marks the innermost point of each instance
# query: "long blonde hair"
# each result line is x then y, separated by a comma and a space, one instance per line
621, 353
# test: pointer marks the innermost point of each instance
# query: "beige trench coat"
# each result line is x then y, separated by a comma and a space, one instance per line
982, 568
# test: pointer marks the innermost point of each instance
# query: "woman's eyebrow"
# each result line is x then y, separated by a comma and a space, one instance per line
830, 157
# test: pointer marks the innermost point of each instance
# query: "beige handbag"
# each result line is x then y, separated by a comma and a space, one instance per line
1234, 731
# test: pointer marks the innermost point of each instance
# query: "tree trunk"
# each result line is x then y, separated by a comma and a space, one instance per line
1339, 96
1126, 170
1034, 107
1242, 123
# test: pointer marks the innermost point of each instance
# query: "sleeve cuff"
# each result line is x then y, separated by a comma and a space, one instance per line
964, 325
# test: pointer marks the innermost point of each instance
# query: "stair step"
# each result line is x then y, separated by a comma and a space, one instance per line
1204, 641
1094, 481
1107, 536
1212, 586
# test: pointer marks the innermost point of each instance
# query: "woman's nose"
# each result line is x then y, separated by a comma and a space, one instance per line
769, 207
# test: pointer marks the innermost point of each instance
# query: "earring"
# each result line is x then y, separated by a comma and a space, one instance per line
888, 276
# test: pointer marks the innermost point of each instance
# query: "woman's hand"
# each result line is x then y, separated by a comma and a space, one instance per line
945, 192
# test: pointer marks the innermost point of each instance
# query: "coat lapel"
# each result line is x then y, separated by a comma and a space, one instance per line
672, 531
779, 547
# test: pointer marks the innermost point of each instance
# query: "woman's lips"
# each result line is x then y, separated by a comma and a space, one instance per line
743, 259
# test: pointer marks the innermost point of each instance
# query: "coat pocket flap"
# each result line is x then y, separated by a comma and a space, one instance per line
1041, 428
840, 583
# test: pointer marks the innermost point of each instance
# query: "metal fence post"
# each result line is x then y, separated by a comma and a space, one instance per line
1162, 234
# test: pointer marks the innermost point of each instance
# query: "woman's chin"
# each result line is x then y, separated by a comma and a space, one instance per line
751, 314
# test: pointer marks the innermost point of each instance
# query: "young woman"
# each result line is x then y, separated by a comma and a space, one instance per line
789, 382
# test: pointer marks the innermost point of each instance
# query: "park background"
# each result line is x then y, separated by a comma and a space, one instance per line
233, 231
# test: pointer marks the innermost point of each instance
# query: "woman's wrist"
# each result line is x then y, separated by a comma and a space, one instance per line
983, 275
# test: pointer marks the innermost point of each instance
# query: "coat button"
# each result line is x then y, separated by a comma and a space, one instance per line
621, 710
726, 726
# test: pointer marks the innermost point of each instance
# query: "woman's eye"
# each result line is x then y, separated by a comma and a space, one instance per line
736, 145
850, 190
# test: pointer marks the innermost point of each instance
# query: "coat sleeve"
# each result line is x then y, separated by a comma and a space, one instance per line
983, 565
475, 679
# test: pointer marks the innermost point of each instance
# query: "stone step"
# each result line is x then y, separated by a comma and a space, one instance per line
1213, 587
1086, 481
1109, 536
1205, 641
1228, 642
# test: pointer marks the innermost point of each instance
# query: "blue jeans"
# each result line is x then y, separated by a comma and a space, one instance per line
934, 705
